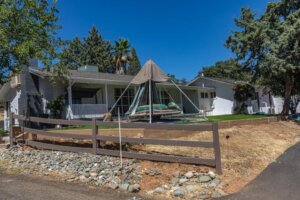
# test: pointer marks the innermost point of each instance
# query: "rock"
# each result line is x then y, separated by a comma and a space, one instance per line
216, 194
82, 178
189, 187
179, 192
214, 183
189, 174
204, 194
182, 180
204, 179
134, 188
154, 172
124, 187
174, 181
159, 190
113, 185
211, 174
93, 174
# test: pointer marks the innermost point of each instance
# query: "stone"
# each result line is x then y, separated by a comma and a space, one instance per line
204, 194
204, 179
159, 190
113, 185
124, 187
216, 194
189, 174
211, 174
134, 188
214, 183
83, 178
174, 181
182, 180
179, 193
189, 187
93, 174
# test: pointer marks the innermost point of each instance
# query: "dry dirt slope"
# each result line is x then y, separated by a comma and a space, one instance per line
248, 151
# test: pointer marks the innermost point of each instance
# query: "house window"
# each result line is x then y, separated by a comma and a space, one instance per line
165, 99
125, 101
213, 95
204, 95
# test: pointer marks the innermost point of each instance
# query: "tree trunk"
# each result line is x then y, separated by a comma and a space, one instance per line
287, 94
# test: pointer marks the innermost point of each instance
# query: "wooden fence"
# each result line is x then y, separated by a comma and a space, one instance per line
95, 137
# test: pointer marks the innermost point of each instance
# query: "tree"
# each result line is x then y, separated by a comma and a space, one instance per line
229, 69
269, 46
92, 50
27, 30
242, 92
97, 51
121, 51
134, 65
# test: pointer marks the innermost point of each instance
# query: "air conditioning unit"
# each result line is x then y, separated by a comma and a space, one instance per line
15, 81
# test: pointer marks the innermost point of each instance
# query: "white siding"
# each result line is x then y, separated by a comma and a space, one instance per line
224, 101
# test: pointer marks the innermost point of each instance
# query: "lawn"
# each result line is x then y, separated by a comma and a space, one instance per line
219, 118
84, 127
233, 117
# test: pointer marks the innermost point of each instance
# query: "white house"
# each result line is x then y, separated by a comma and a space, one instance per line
224, 102
89, 94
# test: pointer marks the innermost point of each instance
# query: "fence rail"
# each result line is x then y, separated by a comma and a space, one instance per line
95, 137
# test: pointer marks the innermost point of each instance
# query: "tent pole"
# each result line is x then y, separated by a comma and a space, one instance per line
185, 96
150, 103
119, 97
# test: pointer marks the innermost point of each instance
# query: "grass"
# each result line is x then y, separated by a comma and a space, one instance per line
233, 117
3, 132
220, 118
80, 127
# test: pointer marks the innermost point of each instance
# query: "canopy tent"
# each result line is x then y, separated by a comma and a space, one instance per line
146, 101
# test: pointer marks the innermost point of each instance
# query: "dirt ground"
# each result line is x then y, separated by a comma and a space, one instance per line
245, 154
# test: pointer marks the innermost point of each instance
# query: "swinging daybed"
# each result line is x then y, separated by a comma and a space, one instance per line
146, 102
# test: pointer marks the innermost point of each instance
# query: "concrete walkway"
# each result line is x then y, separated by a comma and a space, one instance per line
279, 181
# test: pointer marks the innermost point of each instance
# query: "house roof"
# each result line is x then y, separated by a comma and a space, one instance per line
100, 77
107, 77
222, 80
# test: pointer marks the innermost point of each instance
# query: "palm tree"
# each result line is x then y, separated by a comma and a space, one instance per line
121, 53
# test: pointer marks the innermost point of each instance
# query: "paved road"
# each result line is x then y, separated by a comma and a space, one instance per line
279, 181
19, 187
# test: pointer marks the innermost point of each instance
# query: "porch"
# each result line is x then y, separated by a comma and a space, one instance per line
91, 100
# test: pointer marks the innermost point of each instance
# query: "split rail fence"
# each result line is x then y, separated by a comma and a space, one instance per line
96, 137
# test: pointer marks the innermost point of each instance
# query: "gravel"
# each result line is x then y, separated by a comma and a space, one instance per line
86, 168
105, 171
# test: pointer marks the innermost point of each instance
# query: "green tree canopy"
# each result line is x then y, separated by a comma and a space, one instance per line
92, 50
27, 30
134, 65
268, 45
229, 69
121, 53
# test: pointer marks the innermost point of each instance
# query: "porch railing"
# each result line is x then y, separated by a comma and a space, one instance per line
88, 110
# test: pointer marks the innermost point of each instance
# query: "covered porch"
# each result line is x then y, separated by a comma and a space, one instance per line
86, 100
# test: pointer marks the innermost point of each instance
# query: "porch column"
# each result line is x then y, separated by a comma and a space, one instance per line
181, 102
106, 97
198, 91
69, 112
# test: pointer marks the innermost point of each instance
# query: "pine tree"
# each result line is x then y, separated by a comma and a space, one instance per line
134, 64
269, 45
92, 50
97, 51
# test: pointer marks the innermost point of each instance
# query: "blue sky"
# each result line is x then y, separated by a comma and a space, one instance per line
180, 36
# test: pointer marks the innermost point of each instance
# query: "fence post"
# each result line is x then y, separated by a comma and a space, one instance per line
217, 149
95, 133
11, 133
